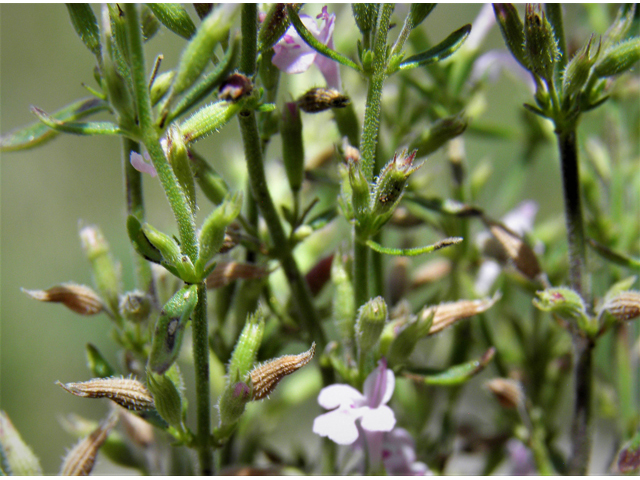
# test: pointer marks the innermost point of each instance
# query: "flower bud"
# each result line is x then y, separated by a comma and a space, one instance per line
372, 317
135, 306
321, 99
540, 44
265, 378
232, 403
568, 304
619, 58
174, 17
99, 367
446, 314
126, 392
167, 399
212, 233
178, 157
512, 30
81, 458
235, 87
163, 243
360, 195
508, 392
160, 86
105, 273
292, 146
18, 459
365, 15
209, 119
274, 26
169, 330
440, 133
79, 298
246, 349
343, 304
213, 29
577, 70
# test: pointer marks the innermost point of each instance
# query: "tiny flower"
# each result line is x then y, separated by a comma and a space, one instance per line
520, 458
293, 55
349, 405
143, 163
399, 455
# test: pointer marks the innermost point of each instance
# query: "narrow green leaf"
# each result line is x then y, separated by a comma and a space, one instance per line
614, 257
37, 133
441, 51
86, 26
459, 374
174, 17
78, 128
412, 252
315, 44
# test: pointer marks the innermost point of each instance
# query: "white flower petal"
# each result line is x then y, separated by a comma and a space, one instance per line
339, 394
378, 387
338, 425
487, 274
379, 419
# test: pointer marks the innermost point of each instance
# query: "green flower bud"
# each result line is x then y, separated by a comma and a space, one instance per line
213, 29
209, 119
167, 399
212, 185
140, 242
389, 187
365, 15
441, 132
135, 306
169, 330
212, 233
86, 26
568, 304
18, 459
619, 58
292, 146
174, 17
360, 196
246, 349
372, 317
99, 367
105, 272
343, 305
512, 30
179, 159
273, 27
541, 46
161, 86
367, 60
407, 334
577, 71
232, 403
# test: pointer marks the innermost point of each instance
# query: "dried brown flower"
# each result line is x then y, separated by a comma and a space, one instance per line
518, 252
79, 298
446, 314
80, 459
126, 392
430, 271
227, 272
508, 392
265, 378
321, 99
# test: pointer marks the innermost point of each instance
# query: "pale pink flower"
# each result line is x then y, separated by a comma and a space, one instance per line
348, 405
399, 454
143, 163
293, 55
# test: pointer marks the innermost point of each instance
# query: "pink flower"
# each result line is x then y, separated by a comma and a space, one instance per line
293, 55
143, 163
399, 455
351, 405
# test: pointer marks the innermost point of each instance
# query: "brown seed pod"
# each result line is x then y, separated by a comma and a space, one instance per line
227, 272
79, 298
126, 392
508, 392
430, 271
518, 252
321, 99
625, 306
80, 459
265, 378
446, 314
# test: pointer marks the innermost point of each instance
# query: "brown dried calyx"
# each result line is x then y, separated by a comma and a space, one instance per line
446, 314
126, 392
265, 378
80, 459
79, 298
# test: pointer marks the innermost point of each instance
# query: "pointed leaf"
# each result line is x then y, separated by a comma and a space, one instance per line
78, 128
458, 374
85, 23
441, 51
174, 17
37, 133
412, 252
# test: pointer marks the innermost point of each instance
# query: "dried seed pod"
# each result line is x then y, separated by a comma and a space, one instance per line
80, 459
625, 306
138, 430
321, 99
508, 392
446, 314
265, 378
430, 271
126, 392
17, 458
79, 298
518, 252
227, 272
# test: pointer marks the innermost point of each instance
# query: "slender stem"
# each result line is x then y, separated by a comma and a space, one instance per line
582, 347
249, 49
151, 138
360, 273
371, 127
203, 394
135, 207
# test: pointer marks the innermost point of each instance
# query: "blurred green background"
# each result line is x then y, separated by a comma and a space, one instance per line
48, 190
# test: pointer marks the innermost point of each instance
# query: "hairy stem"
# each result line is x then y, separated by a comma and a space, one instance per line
203, 394
360, 273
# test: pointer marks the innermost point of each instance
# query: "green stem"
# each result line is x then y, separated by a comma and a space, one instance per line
135, 207
249, 49
360, 273
203, 394
173, 191
371, 127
